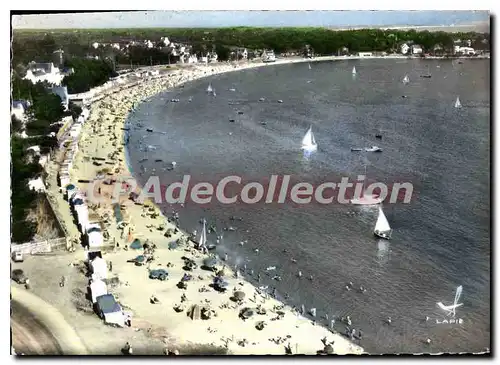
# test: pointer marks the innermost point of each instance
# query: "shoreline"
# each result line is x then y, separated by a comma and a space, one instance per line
123, 103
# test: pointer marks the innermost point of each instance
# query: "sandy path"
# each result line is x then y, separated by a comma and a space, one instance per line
33, 317
29, 335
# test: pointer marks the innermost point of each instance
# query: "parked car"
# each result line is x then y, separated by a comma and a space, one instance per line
18, 276
17, 256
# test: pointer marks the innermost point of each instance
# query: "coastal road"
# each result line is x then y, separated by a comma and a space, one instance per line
40, 329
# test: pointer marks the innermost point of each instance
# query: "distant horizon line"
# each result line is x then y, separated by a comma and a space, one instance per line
330, 27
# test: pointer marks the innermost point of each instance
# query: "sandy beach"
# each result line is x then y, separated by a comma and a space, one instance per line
279, 325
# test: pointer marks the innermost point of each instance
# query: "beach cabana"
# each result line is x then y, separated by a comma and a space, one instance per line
109, 310
69, 188
82, 217
99, 267
97, 288
64, 178
94, 239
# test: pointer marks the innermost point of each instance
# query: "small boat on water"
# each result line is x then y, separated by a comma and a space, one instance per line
309, 142
382, 227
354, 70
378, 136
406, 79
149, 130
355, 149
458, 104
209, 88
373, 149
427, 76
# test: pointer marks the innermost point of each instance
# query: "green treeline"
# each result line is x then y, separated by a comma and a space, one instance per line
31, 45
87, 74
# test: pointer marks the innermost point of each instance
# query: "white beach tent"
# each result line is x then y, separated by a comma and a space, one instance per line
99, 268
97, 288
64, 178
95, 239
82, 216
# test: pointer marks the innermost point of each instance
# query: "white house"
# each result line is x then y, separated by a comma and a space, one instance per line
95, 45
165, 41
99, 268
416, 49
465, 50
213, 56
44, 72
97, 288
116, 46
148, 44
192, 59
35, 149
365, 54
405, 48
36, 184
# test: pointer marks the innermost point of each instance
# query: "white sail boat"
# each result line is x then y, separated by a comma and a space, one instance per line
354, 70
457, 103
209, 88
309, 66
382, 227
308, 142
406, 79
203, 237
366, 199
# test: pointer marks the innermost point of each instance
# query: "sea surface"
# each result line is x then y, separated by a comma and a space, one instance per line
441, 239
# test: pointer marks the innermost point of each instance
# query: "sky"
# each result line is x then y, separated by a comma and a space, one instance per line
209, 19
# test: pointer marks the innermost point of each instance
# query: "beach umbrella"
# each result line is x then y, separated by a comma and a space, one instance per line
246, 313
239, 295
136, 245
210, 262
173, 245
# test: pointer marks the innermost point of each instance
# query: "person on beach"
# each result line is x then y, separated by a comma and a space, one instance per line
110, 266
127, 350
61, 283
